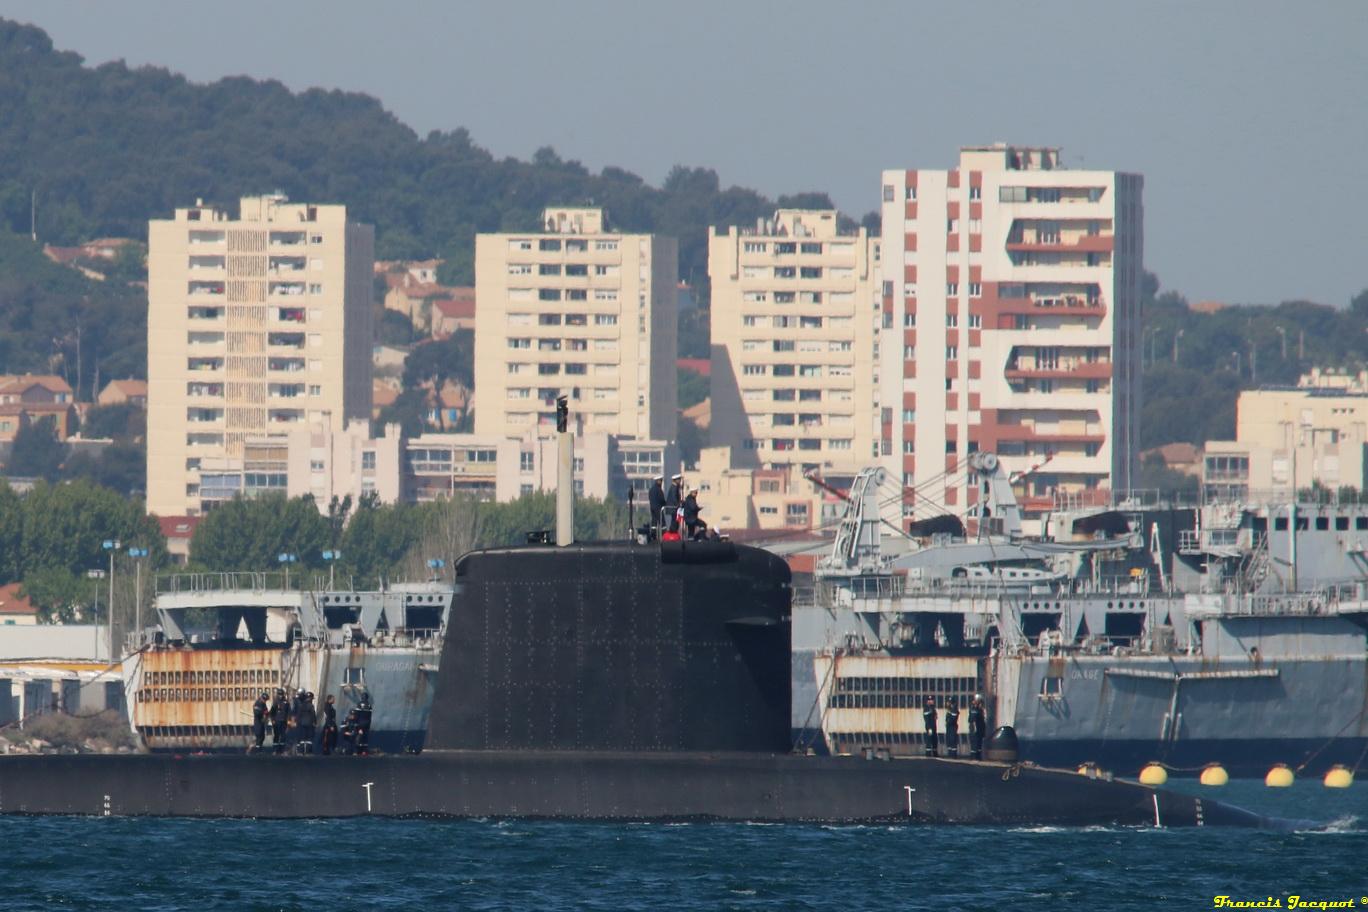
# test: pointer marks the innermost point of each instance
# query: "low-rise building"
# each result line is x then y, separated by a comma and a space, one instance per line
120, 392
26, 398
1289, 439
736, 498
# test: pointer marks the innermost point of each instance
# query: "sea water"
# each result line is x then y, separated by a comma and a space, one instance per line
149, 864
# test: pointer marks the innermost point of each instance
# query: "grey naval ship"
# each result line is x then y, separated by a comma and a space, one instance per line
222, 638
1231, 633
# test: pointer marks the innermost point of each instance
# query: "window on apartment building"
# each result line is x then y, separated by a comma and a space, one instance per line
888, 196
975, 192
951, 352
315, 288
1046, 386
549, 319
780, 419
547, 370
605, 319
782, 370
519, 343
605, 245
750, 320
783, 345
316, 465
549, 269
810, 322
782, 322
576, 319
548, 294
515, 368
783, 297
911, 193
576, 294
810, 272
975, 289
952, 319
515, 392
808, 443
1092, 386
526, 462
810, 247
574, 368
975, 321
909, 319
315, 239
909, 352
951, 288
811, 297
549, 345
809, 395
909, 416
549, 244
810, 370
951, 226
753, 247
752, 370
577, 269
1091, 449
1095, 194
782, 395
844, 346
909, 446
785, 272
315, 389
1011, 194
887, 289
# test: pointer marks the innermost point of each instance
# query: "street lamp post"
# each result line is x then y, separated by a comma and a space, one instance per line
332, 557
111, 545
285, 560
137, 554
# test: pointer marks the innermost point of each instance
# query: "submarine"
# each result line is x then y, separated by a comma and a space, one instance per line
629, 680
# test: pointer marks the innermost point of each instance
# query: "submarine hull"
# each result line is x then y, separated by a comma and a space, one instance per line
594, 785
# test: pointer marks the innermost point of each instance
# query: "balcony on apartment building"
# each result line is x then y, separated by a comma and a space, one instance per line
284, 390
284, 416
286, 239
285, 265
206, 314
285, 339
212, 239
204, 390
285, 365
201, 288
1064, 369
208, 265
288, 314
204, 364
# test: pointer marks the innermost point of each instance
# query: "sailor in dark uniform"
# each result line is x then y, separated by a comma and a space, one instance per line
929, 722
363, 725
328, 739
259, 710
349, 732
952, 727
280, 717
657, 499
305, 722
673, 500
695, 527
978, 727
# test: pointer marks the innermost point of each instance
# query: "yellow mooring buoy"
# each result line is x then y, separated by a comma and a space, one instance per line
1214, 775
1279, 777
1153, 774
1339, 777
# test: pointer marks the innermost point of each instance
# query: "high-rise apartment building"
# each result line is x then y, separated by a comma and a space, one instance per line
795, 327
578, 310
256, 326
1014, 286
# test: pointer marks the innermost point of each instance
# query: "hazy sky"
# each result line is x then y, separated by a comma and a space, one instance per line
1249, 120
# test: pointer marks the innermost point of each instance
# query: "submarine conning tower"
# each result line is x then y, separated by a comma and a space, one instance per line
614, 646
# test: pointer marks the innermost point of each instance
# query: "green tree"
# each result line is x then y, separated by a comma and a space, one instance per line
58, 593
250, 533
11, 533
123, 421
36, 452
692, 388
377, 540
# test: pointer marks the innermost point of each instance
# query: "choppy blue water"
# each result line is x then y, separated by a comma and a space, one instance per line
113, 863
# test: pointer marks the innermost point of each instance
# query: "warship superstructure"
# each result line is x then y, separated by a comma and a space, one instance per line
1234, 633
222, 638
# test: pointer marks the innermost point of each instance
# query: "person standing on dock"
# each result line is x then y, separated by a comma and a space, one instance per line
929, 723
280, 717
328, 740
978, 727
951, 727
259, 710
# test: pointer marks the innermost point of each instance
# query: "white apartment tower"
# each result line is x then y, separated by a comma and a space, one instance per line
257, 326
795, 327
575, 309
1014, 283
